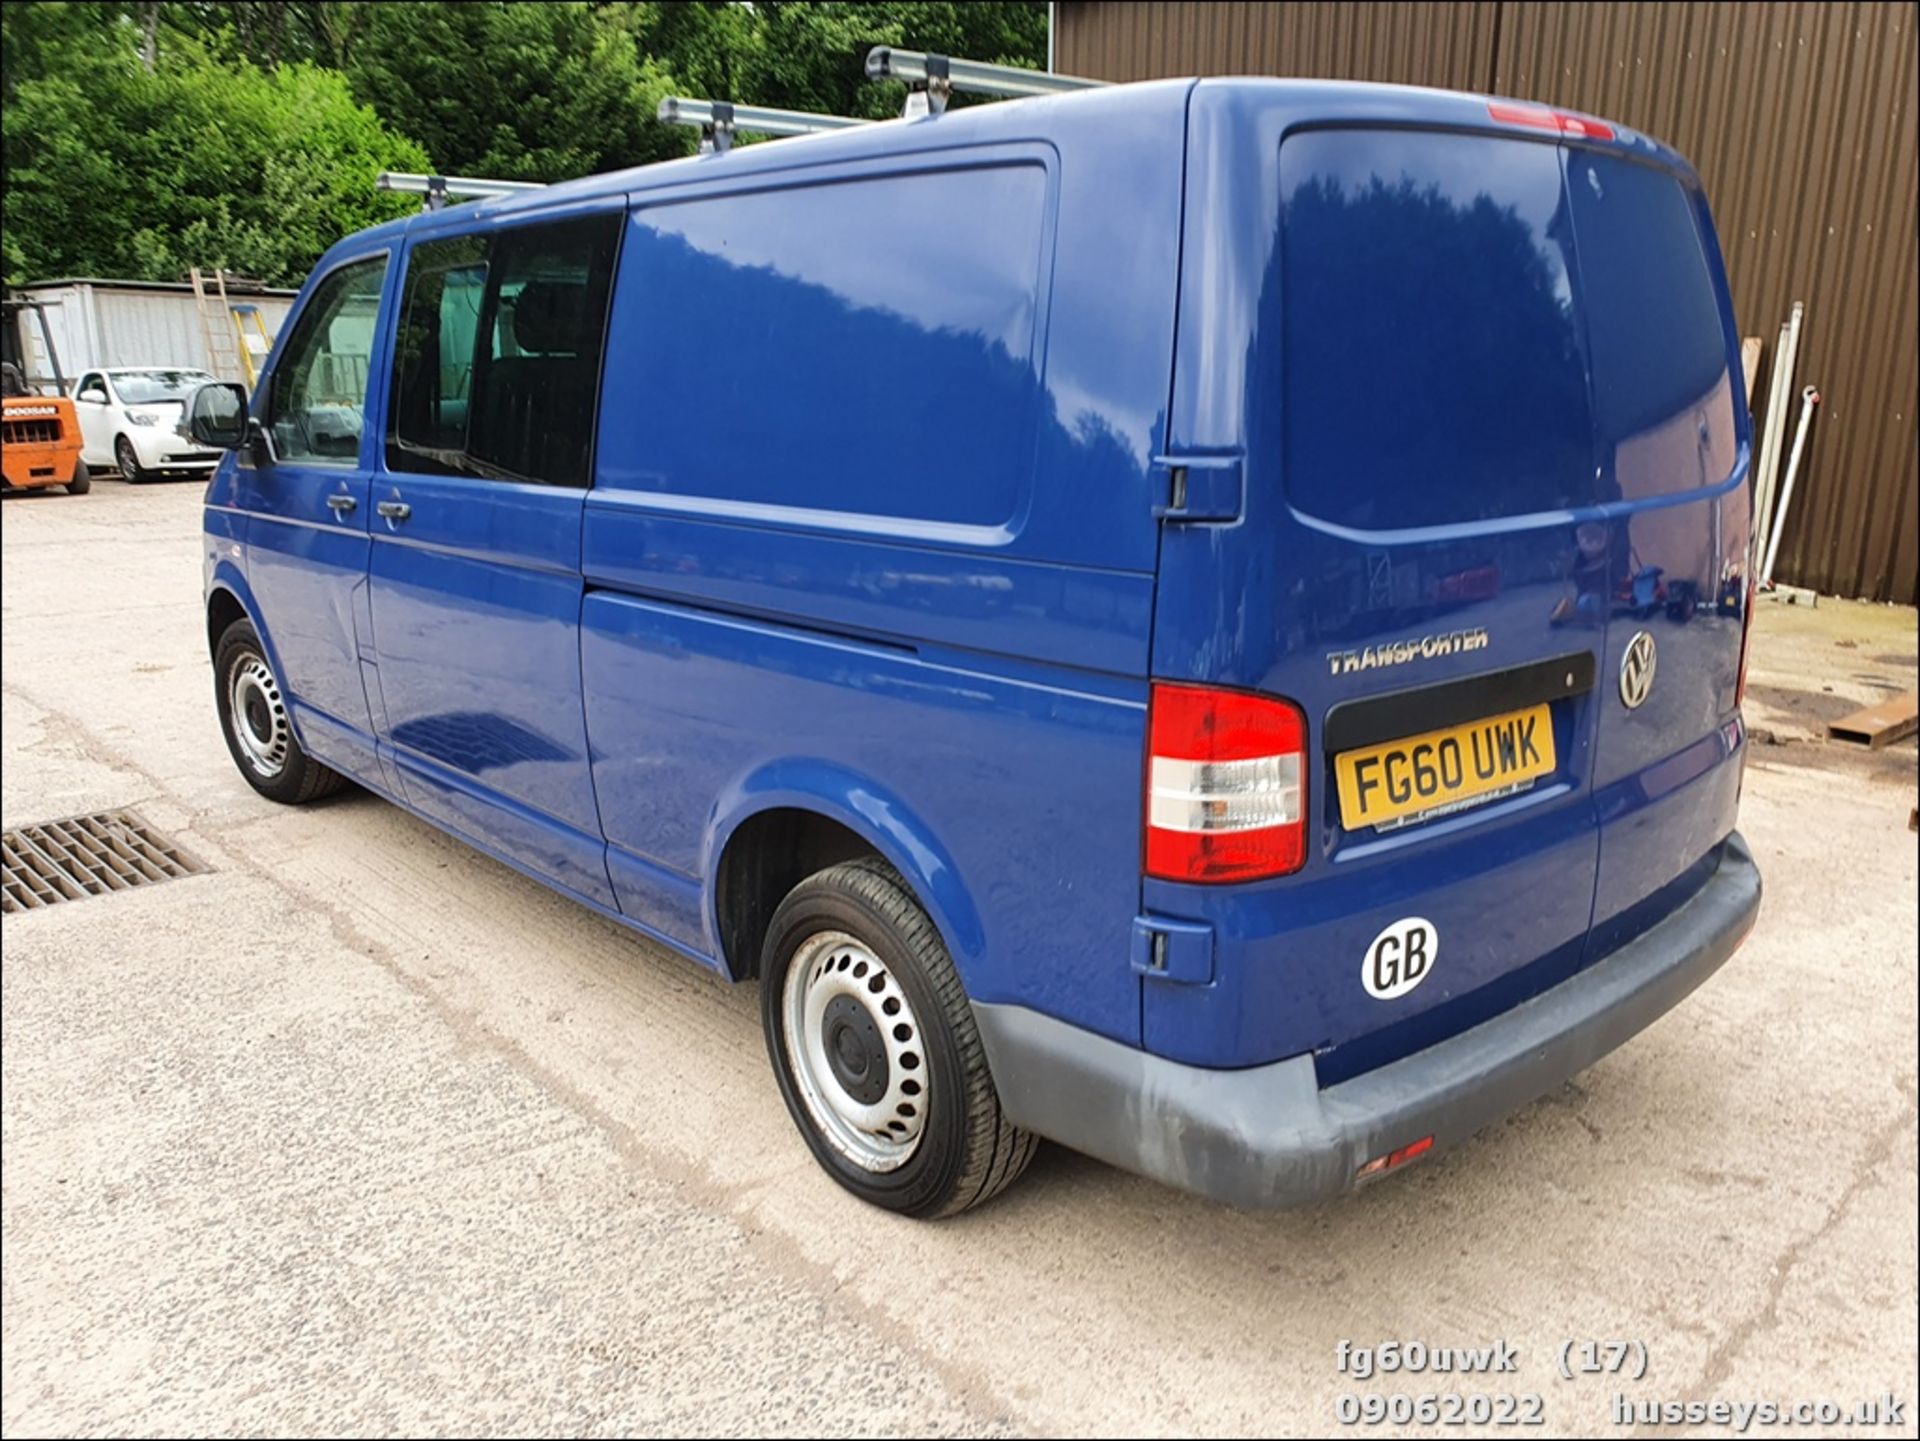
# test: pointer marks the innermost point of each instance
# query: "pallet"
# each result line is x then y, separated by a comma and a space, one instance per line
1892, 719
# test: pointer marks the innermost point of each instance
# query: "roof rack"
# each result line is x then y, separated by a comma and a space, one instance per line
719, 119
441, 188
932, 78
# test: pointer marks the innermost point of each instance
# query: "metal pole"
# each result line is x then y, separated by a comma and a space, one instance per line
760, 119
1780, 398
1809, 398
456, 186
1009, 82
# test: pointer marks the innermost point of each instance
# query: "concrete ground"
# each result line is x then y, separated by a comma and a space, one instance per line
361, 1132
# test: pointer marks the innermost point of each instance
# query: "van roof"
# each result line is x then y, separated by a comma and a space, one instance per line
1026, 119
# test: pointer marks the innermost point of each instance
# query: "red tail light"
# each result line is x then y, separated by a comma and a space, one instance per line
1746, 647
1541, 118
1226, 785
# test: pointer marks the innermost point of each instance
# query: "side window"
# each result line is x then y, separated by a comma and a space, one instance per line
866, 362
433, 355
497, 369
320, 385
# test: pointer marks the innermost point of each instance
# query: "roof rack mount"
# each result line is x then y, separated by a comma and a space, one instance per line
719, 119
441, 188
932, 78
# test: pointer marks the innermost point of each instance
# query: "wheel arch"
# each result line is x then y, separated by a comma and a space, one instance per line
792, 818
229, 599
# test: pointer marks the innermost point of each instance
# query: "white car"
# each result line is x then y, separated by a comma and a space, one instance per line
130, 421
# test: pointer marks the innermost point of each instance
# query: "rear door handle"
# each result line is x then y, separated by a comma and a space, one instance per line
343, 504
394, 509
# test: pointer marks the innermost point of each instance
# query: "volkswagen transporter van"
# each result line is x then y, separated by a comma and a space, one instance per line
1128, 614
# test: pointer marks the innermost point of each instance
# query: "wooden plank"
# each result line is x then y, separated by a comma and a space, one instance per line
1750, 363
1893, 719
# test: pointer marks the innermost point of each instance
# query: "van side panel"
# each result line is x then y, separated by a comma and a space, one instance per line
873, 509
1015, 779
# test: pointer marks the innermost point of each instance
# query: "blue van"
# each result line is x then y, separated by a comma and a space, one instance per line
1200, 620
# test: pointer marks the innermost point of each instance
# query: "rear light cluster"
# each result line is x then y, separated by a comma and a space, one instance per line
1226, 785
1539, 117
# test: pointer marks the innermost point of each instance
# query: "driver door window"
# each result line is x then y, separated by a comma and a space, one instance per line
319, 393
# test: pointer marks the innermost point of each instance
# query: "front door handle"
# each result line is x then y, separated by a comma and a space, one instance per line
394, 509
341, 504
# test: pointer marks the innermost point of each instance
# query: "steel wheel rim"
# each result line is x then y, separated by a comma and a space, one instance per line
838, 999
258, 717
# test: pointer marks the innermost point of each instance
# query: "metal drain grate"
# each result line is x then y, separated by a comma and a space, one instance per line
87, 856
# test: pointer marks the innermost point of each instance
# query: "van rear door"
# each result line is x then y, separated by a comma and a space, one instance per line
1385, 331
1670, 447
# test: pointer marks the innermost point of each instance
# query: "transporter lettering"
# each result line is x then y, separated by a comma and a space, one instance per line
1426, 647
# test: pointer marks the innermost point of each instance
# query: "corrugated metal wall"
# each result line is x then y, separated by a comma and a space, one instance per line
1801, 119
100, 325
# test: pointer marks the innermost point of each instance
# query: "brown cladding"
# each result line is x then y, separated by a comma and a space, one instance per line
1801, 119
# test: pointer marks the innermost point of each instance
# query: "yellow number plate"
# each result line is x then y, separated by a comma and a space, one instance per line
1444, 769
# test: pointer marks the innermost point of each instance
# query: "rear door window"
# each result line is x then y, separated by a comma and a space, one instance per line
1662, 387
1433, 370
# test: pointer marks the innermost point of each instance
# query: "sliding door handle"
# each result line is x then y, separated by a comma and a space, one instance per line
394, 509
341, 504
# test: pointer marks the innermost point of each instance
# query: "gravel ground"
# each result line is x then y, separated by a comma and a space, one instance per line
362, 1132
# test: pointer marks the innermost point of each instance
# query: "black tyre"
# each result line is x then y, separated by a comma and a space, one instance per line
81, 483
875, 1047
127, 461
254, 719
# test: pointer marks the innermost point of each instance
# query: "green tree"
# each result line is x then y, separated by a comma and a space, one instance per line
112, 170
528, 91
143, 136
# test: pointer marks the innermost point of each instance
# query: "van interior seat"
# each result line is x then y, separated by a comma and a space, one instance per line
541, 400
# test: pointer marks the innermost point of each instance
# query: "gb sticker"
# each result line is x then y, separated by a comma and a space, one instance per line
1400, 958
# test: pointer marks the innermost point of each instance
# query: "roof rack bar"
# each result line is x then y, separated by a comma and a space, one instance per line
719, 119
884, 62
760, 119
440, 188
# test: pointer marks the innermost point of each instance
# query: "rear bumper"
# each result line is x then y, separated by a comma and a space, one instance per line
1269, 1136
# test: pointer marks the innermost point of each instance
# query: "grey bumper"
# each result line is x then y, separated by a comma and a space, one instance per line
1269, 1136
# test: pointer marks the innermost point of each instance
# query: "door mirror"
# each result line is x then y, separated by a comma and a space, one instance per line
217, 415
94, 394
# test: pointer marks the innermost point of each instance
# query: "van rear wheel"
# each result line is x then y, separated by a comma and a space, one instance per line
255, 721
875, 1048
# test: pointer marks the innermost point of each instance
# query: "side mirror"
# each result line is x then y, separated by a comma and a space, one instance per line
94, 394
217, 415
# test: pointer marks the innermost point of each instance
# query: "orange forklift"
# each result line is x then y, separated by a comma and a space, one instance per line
39, 434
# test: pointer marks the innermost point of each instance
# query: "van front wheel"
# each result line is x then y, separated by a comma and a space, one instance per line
876, 1051
254, 719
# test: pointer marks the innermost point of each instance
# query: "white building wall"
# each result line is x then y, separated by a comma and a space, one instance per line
96, 326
